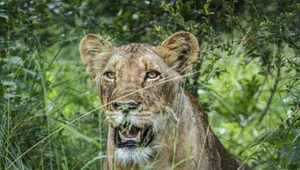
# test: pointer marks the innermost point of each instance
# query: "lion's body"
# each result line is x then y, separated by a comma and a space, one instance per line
153, 122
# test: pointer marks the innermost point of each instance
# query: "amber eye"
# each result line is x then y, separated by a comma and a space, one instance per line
152, 75
110, 75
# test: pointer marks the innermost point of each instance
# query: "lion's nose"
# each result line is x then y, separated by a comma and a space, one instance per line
126, 106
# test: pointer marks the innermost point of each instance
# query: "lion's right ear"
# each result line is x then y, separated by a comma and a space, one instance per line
179, 51
95, 52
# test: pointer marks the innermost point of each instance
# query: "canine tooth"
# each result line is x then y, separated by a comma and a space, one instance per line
121, 136
138, 136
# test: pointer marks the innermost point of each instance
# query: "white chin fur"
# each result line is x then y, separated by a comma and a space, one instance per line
130, 155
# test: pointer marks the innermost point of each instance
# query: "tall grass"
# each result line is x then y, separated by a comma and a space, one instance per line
42, 93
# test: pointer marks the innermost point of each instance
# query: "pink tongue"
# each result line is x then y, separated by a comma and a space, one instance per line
128, 135
132, 133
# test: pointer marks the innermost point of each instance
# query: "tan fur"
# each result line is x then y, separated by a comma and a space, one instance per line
182, 136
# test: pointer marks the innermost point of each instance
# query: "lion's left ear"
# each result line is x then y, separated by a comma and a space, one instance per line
95, 52
179, 51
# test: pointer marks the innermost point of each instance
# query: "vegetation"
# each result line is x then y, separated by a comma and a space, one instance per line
247, 76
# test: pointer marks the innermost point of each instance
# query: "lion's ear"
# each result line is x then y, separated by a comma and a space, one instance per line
179, 51
95, 52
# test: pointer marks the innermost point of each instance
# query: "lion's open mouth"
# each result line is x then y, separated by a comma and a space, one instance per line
128, 135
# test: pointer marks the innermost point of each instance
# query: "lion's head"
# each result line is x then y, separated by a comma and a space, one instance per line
140, 87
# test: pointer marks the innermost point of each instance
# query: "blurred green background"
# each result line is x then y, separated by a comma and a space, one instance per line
246, 76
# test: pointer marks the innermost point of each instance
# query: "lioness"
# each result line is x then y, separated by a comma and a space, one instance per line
153, 121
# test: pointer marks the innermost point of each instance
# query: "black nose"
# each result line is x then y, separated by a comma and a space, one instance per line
125, 106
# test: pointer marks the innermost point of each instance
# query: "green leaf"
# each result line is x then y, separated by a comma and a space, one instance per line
16, 60
93, 160
78, 134
2, 15
206, 9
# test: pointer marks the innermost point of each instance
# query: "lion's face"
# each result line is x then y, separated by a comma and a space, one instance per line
138, 97
140, 88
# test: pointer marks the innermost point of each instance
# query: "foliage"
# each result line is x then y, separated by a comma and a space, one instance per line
246, 76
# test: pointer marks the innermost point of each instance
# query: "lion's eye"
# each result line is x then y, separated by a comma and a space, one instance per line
110, 75
152, 75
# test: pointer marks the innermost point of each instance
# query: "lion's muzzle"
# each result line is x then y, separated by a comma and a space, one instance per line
126, 107
128, 133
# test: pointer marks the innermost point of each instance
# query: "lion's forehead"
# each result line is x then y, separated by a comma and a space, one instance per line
126, 63
135, 57
135, 48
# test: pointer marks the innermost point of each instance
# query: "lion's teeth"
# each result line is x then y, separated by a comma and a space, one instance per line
138, 136
121, 136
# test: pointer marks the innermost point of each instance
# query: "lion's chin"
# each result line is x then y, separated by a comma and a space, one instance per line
130, 136
138, 155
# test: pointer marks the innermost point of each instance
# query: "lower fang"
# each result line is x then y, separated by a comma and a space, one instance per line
138, 136
122, 136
